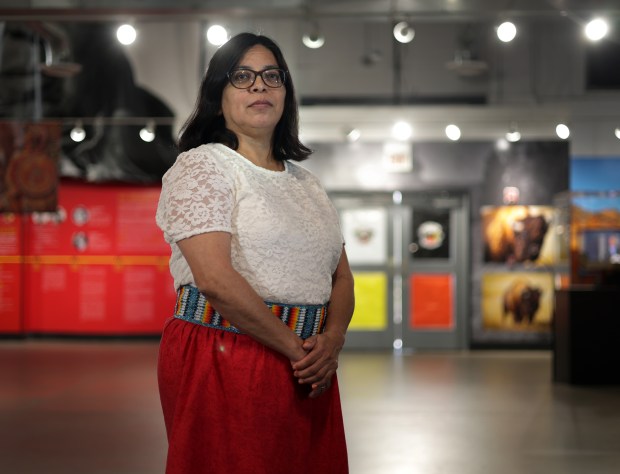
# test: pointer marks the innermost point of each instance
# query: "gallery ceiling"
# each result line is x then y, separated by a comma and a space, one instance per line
485, 122
432, 10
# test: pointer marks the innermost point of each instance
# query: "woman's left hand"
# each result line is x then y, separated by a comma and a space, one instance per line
319, 365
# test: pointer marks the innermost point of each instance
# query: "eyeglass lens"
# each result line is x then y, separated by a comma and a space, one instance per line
242, 78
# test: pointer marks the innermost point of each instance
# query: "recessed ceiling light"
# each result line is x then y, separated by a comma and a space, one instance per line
507, 31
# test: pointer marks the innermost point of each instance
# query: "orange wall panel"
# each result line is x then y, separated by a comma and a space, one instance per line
431, 301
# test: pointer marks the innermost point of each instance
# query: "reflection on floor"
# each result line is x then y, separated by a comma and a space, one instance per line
92, 407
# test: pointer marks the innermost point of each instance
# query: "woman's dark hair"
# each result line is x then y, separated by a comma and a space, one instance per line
207, 125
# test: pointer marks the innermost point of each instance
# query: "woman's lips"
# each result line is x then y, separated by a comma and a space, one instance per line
261, 103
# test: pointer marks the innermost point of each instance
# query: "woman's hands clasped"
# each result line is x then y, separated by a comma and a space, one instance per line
319, 364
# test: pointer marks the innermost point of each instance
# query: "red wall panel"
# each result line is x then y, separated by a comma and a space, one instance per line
11, 274
99, 265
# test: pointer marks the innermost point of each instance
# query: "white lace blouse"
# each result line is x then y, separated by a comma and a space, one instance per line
286, 238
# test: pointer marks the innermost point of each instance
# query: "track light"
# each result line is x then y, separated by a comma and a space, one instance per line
217, 35
453, 132
596, 29
507, 31
148, 132
353, 135
513, 134
126, 34
562, 131
78, 133
402, 130
313, 38
403, 32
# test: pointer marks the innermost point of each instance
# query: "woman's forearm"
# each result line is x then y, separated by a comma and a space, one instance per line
342, 300
321, 362
238, 303
233, 297
341, 305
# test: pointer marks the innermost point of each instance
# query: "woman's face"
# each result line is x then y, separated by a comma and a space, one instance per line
254, 111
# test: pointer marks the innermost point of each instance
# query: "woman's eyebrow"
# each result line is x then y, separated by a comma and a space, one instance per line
268, 66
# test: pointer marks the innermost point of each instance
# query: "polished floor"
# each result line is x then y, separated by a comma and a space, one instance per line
91, 407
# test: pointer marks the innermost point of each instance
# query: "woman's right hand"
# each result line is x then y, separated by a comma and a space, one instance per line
321, 362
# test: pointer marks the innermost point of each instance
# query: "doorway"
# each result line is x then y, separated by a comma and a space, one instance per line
409, 255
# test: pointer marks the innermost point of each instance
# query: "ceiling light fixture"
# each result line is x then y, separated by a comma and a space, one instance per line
313, 40
453, 132
562, 131
217, 35
513, 137
126, 34
617, 133
148, 132
78, 133
397, 197
513, 134
403, 32
312, 37
596, 29
402, 130
507, 31
353, 135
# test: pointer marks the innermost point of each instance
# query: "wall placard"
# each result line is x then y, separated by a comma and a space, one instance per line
432, 301
370, 302
99, 264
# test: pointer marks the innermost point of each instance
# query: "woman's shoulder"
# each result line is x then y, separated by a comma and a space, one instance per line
205, 160
203, 157
208, 152
301, 172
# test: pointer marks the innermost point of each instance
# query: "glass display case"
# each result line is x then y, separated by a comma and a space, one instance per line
592, 236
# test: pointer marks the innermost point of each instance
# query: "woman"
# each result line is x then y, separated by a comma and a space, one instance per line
247, 365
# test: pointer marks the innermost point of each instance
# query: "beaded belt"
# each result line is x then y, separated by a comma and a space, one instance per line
303, 320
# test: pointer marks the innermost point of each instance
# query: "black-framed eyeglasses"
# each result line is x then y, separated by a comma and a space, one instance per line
242, 78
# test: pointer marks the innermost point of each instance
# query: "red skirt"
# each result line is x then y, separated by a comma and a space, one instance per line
232, 406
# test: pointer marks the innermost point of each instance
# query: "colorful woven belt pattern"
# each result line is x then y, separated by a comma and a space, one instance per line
303, 320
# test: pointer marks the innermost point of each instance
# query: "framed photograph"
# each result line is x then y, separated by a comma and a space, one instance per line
518, 234
430, 233
517, 301
365, 235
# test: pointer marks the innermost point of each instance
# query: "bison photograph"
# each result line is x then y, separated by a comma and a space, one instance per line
517, 301
517, 234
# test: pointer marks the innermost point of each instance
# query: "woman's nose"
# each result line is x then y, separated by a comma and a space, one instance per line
256, 86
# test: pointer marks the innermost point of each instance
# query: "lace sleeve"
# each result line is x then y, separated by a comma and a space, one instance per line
195, 198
